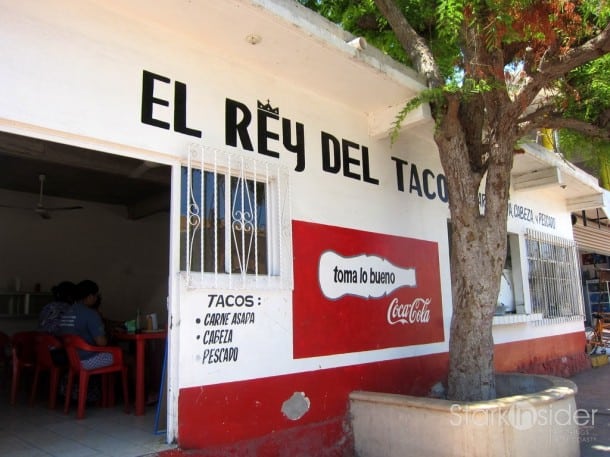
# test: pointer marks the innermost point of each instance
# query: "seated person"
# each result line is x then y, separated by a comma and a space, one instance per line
83, 319
110, 326
63, 297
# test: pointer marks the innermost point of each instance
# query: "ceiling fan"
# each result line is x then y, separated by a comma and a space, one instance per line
40, 209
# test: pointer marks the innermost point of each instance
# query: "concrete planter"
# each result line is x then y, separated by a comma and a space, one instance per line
534, 415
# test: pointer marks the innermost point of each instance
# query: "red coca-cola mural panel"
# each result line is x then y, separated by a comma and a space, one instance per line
359, 291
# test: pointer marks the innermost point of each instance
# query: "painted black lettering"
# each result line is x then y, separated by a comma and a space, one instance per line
299, 146
441, 188
331, 153
414, 184
348, 160
149, 99
265, 134
235, 127
366, 167
400, 178
426, 175
180, 111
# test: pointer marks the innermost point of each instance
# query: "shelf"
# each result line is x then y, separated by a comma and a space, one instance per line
22, 304
597, 295
509, 319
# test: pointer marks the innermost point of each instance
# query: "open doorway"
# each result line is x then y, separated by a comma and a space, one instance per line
115, 229
71, 213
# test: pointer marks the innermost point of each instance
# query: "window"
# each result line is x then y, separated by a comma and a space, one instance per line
554, 276
506, 297
234, 231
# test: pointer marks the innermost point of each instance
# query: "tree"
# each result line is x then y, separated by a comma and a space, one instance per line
495, 71
591, 83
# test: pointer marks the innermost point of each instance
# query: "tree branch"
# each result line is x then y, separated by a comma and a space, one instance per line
558, 122
559, 65
535, 118
416, 47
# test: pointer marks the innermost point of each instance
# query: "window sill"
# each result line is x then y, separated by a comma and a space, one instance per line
236, 281
509, 319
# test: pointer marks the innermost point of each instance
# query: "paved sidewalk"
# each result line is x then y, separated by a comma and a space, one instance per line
593, 402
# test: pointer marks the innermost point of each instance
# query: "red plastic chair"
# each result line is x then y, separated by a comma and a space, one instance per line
5, 358
45, 343
73, 343
23, 350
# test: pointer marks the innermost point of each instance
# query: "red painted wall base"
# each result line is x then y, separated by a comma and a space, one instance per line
245, 418
562, 355
326, 439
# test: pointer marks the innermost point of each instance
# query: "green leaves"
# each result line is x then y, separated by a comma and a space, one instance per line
479, 44
590, 85
596, 12
450, 16
586, 96
434, 96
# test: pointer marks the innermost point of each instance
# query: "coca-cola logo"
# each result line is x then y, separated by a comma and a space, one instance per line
417, 312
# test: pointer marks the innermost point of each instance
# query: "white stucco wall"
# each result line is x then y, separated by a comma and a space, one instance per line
91, 91
78, 79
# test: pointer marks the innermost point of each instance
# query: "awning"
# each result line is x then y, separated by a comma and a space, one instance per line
589, 203
592, 226
592, 238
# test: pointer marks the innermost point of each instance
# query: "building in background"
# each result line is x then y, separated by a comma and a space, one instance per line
302, 253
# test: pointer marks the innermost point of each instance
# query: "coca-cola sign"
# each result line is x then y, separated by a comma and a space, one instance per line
359, 291
416, 312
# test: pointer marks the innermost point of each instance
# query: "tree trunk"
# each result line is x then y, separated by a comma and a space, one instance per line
478, 252
476, 266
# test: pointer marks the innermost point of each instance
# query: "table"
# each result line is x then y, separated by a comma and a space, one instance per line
140, 340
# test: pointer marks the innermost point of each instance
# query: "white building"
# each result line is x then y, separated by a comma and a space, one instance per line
331, 274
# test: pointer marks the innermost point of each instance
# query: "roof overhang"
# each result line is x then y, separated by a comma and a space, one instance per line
287, 41
541, 168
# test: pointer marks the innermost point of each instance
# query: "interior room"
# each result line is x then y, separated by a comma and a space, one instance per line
69, 214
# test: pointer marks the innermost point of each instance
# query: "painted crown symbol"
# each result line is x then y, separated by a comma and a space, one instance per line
267, 107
